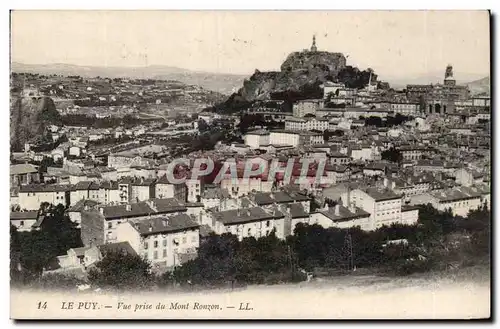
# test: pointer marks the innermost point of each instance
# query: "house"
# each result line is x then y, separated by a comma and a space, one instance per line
75, 211
242, 186
194, 188
57, 154
215, 197
142, 189
459, 200
374, 169
86, 257
166, 189
342, 217
23, 174
412, 153
165, 241
383, 205
24, 220
98, 226
337, 158
467, 177
249, 222
32, 196
257, 138
281, 198
75, 151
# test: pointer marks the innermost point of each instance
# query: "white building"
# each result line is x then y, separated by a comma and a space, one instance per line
307, 106
257, 138
384, 207
24, 221
249, 222
460, 200
165, 189
194, 188
238, 187
306, 124
32, 196
165, 241
342, 217
405, 108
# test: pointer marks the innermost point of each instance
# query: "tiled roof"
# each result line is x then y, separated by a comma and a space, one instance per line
44, 188
344, 214
169, 224
23, 168
22, 215
240, 216
117, 247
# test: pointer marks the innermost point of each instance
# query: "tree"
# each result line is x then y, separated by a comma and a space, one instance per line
38, 249
392, 155
121, 271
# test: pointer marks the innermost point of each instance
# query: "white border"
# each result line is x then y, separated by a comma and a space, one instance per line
186, 4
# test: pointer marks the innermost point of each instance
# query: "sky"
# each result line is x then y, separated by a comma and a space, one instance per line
396, 44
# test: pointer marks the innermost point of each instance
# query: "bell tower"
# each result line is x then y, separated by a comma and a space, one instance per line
448, 76
313, 47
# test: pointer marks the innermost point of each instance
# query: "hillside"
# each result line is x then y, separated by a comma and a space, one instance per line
222, 83
29, 117
481, 86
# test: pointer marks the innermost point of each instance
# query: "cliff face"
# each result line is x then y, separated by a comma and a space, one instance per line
300, 69
29, 117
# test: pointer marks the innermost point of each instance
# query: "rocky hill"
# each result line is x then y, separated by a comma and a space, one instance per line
298, 70
300, 77
29, 117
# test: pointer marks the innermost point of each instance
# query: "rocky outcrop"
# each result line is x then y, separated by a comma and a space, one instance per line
29, 117
307, 60
298, 70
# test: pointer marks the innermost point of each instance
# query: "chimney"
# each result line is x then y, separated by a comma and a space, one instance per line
386, 182
337, 210
164, 222
150, 229
101, 210
128, 207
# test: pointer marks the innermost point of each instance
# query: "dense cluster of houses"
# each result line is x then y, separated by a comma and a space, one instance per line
364, 176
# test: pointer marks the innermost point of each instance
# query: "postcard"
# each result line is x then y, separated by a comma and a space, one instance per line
250, 165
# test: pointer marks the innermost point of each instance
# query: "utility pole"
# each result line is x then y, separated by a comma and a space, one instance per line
348, 248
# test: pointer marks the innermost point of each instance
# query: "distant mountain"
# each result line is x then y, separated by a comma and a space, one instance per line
430, 77
481, 86
223, 83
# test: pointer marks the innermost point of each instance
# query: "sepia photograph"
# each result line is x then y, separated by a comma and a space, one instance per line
284, 164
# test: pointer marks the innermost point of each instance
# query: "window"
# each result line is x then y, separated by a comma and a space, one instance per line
110, 225
164, 253
193, 238
165, 243
155, 244
145, 256
22, 223
145, 245
155, 255
268, 223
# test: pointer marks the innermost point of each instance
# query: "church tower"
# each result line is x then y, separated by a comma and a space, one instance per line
448, 76
313, 47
